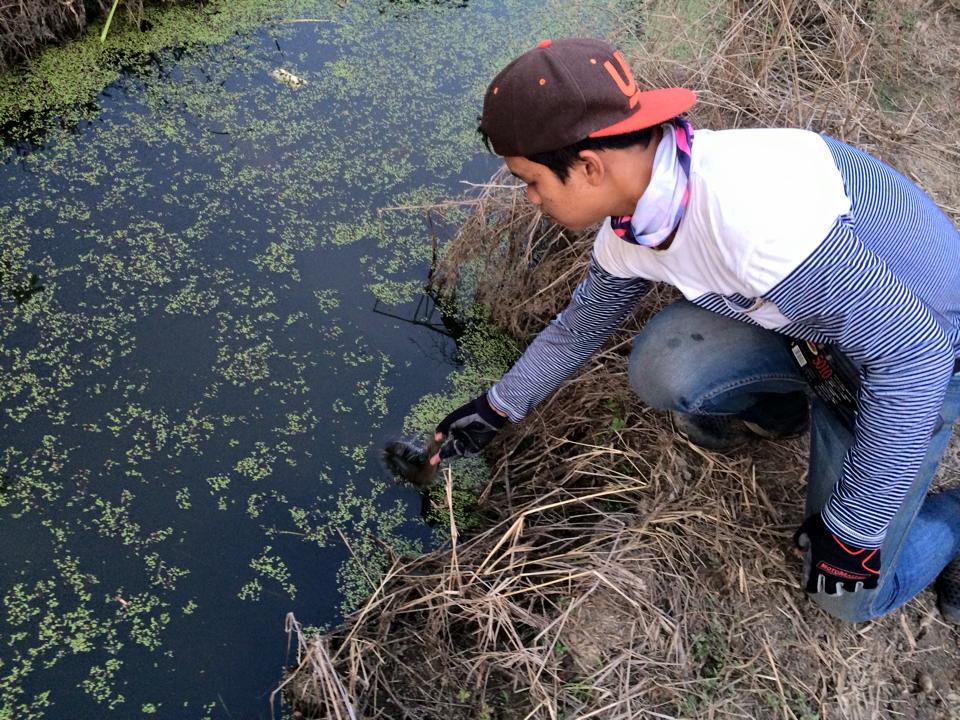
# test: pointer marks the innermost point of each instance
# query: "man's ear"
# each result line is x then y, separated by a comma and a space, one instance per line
592, 166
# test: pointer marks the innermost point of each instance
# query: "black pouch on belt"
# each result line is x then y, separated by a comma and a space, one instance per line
831, 375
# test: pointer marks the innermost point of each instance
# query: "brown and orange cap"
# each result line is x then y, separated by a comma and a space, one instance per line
563, 91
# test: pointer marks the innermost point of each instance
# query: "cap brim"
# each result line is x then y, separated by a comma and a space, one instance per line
656, 106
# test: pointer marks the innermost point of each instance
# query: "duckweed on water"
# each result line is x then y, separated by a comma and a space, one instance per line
64, 79
486, 353
191, 380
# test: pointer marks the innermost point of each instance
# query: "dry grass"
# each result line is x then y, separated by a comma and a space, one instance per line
631, 575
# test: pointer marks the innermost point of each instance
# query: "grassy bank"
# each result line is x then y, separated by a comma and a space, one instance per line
624, 573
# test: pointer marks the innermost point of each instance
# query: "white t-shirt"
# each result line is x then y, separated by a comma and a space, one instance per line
743, 231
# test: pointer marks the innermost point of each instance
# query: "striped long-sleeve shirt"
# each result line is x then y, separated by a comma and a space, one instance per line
804, 235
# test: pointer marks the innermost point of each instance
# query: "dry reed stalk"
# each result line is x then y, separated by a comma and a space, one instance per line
629, 574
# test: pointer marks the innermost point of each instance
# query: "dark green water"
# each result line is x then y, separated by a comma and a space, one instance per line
192, 403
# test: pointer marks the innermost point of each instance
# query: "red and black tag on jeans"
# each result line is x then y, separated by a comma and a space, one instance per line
832, 377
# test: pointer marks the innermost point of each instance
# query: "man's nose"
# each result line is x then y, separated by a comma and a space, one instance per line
533, 196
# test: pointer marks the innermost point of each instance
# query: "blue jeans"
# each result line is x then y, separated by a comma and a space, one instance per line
694, 361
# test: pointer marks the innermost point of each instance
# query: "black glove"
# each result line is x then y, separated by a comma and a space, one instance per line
831, 565
469, 429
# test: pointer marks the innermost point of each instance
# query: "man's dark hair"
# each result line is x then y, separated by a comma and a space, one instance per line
560, 161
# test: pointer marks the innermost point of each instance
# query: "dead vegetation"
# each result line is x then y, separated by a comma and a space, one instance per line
28, 25
628, 574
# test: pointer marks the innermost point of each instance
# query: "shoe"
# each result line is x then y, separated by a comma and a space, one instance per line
780, 416
948, 592
726, 432
710, 432
782, 433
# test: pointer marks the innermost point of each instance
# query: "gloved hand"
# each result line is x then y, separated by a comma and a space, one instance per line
468, 429
831, 565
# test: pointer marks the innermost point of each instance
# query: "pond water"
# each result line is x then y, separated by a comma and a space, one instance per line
206, 296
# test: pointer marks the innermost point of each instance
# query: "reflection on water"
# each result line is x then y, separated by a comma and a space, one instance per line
207, 328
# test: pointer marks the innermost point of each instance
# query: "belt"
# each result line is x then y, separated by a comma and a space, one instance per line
956, 367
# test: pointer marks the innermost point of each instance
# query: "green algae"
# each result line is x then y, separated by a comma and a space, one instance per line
186, 389
63, 79
486, 352
272, 567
